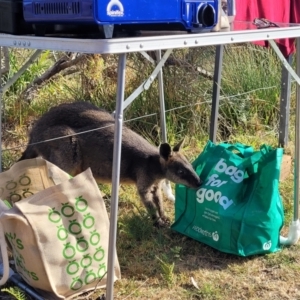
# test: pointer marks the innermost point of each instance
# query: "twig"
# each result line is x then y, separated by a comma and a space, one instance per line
62, 64
205, 73
136, 289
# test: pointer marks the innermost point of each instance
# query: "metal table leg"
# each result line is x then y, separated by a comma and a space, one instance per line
297, 141
116, 176
166, 186
161, 100
1, 93
294, 230
285, 105
216, 93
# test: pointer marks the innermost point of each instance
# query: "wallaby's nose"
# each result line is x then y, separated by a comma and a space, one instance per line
197, 182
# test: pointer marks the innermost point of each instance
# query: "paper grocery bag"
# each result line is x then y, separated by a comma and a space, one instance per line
23, 179
27, 177
59, 237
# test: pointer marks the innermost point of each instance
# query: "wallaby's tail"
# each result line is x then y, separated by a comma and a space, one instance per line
29, 153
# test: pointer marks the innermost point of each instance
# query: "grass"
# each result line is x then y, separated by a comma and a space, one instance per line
161, 263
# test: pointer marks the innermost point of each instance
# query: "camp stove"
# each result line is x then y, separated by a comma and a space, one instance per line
189, 15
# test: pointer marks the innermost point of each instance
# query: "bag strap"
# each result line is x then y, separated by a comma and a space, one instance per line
252, 162
4, 254
246, 151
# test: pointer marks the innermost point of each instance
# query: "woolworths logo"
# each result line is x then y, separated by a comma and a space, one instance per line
267, 245
212, 194
214, 235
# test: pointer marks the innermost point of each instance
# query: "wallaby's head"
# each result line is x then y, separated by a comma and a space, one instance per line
177, 168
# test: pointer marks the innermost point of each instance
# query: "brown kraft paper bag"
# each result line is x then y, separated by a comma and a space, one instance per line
27, 177
59, 237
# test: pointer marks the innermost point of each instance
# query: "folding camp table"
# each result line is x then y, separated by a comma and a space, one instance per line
157, 41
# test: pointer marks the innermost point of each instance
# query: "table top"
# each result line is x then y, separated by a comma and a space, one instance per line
153, 40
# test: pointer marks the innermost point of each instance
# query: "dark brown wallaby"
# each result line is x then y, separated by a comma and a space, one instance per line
141, 163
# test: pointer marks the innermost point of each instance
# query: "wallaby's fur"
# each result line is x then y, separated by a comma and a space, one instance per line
141, 163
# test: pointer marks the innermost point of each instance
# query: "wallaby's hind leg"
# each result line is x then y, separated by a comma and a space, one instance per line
153, 201
64, 152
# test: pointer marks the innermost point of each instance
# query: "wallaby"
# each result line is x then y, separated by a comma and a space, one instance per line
141, 163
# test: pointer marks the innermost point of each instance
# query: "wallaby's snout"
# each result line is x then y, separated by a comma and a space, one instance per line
180, 171
178, 168
195, 182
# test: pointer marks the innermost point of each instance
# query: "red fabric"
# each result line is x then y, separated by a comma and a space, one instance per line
295, 11
281, 11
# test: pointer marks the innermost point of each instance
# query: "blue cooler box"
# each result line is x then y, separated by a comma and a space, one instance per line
189, 15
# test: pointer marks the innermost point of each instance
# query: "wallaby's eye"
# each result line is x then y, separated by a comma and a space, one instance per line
180, 172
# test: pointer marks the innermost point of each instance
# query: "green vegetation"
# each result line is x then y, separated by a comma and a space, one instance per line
159, 263
15, 292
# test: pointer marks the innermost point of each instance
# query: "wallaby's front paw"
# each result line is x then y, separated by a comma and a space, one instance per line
162, 222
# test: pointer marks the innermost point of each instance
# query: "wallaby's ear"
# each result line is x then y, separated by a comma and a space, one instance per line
165, 150
178, 146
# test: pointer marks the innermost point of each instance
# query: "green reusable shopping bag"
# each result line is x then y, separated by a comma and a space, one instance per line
238, 209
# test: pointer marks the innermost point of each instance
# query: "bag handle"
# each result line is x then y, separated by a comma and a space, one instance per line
246, 151
252, 162
216, 150
3, 247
